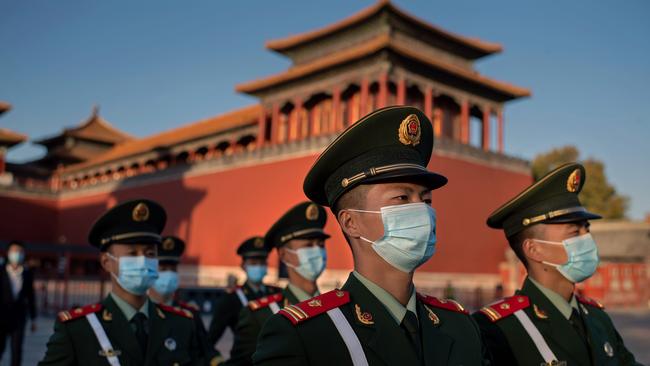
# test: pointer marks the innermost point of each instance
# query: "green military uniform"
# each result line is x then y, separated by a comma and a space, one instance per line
251, 320
170, 251
169, 332
303, 221
448, 335
227, 307
362, 323
171, 340
576, 332
510, 344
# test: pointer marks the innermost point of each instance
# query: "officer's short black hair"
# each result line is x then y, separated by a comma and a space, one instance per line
516, 241
354, 198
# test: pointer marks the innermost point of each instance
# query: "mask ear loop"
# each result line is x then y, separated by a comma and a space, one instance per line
552, 243
364, 211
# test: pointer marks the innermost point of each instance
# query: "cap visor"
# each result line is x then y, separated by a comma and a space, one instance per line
573, 217
428, 179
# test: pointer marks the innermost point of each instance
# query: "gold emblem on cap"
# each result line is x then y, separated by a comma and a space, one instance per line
312, 212
168, 244
258, 243
140, 212
409, 130
573, 183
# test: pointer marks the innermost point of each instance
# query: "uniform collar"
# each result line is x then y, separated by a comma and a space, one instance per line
396, 310
563, 306
258, 289
300, 294
128, 310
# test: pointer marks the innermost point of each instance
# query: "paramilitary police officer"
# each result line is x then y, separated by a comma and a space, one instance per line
126, 328
546, 322
164, 289
254, 253
375, 180
299, 239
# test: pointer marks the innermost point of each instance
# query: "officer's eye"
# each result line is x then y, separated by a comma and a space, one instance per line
402, 198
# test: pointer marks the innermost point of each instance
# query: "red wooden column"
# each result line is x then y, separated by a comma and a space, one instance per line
486, 128
464, 121
297, 119
314, 121
336, 122
428, 102
275, 123
261, 129
500, 129
363, 98
401, 91
293, 127
382, 99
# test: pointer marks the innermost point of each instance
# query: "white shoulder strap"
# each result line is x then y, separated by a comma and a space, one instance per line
349, 337
537, 337
242, 297
103, 340
274, 307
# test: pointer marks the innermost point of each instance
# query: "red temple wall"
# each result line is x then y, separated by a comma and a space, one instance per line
215, 212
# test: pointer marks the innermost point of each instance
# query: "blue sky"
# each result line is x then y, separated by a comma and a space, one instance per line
155, 65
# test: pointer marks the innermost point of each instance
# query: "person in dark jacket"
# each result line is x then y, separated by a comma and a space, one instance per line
17, 301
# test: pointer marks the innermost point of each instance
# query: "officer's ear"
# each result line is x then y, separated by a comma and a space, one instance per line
348, 224
106, 261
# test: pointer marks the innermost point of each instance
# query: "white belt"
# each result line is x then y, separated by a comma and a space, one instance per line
242, 297
104, 343
349, 337
537, 338
274, 307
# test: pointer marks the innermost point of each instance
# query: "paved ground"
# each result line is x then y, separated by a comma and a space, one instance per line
634, 326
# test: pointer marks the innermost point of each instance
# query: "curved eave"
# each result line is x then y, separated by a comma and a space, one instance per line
377, 44
4, 107
9, 138
482, 48
224, 122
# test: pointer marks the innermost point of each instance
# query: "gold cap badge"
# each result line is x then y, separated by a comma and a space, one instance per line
573, 182
140, 212
258, 243
168, 244
409, 130
312, 212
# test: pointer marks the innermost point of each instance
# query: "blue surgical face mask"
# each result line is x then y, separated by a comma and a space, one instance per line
255, 272
16, 257
136, 274
409, 235
166, 283
582, 254
311, 261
